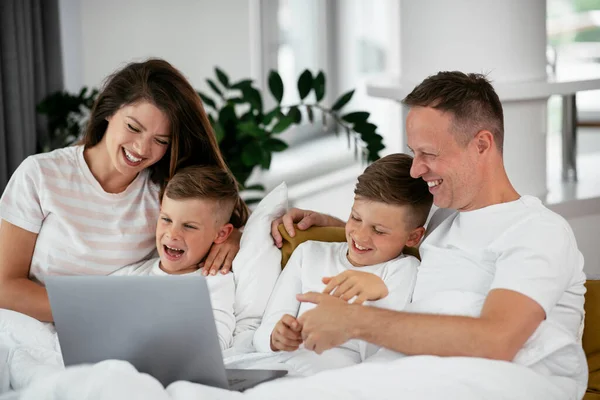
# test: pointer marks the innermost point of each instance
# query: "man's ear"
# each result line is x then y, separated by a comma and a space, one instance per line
484, 141
414, 237
223, 233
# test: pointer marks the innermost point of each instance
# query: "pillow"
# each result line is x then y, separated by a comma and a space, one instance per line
319, 234
257, 265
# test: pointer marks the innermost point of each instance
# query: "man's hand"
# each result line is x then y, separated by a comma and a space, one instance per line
221, 255
304, 218
325, 326
286, 334
364, 285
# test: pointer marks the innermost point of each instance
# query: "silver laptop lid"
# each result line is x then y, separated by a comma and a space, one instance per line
163, 326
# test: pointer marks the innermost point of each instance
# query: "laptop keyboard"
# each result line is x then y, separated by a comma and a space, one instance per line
235, 381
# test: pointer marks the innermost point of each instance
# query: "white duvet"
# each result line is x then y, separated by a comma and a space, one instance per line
33, 365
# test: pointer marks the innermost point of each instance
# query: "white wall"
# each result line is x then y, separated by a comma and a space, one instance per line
193, 35
587, 232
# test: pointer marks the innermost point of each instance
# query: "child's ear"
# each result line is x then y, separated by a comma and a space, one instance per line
415, 236
223, 233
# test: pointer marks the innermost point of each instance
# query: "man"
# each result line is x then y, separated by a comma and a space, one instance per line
517, 255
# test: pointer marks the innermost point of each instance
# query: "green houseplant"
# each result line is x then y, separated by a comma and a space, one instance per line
247, 133
66, 115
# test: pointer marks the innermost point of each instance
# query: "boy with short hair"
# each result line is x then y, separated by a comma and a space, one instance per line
196, 211
389, 212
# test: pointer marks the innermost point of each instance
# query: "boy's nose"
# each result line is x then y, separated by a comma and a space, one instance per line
174, 233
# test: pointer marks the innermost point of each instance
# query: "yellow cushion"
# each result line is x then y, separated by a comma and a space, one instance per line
591, 337
319, 234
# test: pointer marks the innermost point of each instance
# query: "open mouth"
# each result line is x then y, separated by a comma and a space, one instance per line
172, 253
131, 159
433, 185
358, 248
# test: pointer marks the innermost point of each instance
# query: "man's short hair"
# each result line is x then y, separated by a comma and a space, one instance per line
206, 182
470, 98
388, 181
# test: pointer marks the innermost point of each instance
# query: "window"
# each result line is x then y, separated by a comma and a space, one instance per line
574, 51
351, 40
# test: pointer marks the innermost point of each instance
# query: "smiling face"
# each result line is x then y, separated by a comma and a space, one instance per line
185, 232
137, 136
449, 168
377, 232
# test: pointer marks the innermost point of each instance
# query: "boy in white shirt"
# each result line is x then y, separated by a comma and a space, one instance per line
196, 211
389, 211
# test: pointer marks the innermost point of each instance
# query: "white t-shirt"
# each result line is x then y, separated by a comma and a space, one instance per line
310, 262
82, 230
520, 246
222, 294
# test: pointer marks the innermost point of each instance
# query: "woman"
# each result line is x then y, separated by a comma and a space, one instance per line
92, 209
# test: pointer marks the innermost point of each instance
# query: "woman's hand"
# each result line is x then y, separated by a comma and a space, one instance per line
304, 218
220, 257
364, 285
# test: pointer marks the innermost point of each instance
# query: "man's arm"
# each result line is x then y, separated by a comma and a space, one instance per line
507, 320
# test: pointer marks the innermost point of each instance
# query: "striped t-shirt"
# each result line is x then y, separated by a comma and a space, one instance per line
82, 230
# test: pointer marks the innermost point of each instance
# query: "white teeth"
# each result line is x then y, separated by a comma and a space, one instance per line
131, 158
360, 247
434, 183
172, 248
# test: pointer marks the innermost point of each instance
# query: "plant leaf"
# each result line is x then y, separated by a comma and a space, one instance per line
252, 154
207, 100
236, 100
356, 117
342, 100
251, 128
373, 151
266, 161
275, 145
319, 86
270, 115
258, 186
276, 85
295, 115
304, 84
223, 78
242, 84
365, 128
227, 114
282, 125
219, 131
214, 87
253, 96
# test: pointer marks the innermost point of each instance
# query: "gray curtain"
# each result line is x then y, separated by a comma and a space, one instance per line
30, 69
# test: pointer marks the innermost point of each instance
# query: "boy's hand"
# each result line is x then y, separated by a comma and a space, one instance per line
286, 335
364, 285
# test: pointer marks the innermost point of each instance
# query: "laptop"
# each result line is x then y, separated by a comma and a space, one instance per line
162, 325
